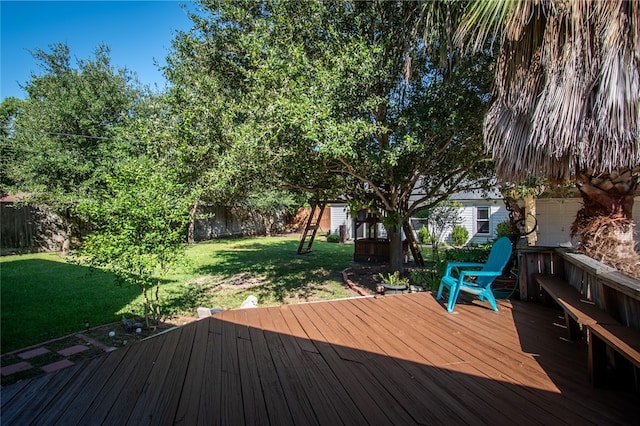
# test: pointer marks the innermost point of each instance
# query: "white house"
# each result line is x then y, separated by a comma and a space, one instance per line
481, 214
339, 214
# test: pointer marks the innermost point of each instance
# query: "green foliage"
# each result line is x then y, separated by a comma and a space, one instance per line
63, 137
423, 235
503, 229
394, 279
425, 278
347, 87
444, 215
45, 297
333, 238
139, 223
267, 205
460, 235
475, 254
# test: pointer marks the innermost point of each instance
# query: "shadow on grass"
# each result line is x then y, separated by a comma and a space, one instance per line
278, 272
45, 298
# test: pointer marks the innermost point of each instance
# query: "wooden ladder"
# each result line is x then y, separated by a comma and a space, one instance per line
413, 244
309, 234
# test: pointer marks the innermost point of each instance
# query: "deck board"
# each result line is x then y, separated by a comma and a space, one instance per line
164, 411
367, 398
434, 353
494, 350
272, 389
388, 360
84, 390
142, 412
407, 378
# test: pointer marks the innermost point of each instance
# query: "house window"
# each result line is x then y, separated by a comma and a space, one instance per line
482, 220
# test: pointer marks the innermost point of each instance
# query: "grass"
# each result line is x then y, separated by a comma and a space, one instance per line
42, 296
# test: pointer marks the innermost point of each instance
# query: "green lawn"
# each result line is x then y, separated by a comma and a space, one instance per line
44, 297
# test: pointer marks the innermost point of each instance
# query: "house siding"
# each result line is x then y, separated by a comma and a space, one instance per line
555, 217
469, 209
340, 216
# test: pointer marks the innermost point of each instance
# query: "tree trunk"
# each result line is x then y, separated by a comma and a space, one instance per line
395, 249
68, 230
156, 302
147, 304
191, 230
605, 223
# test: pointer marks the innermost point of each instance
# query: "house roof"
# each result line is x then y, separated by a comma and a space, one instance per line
493, 194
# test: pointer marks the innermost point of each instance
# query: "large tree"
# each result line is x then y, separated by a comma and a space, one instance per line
62, 136
566, 107
342, 98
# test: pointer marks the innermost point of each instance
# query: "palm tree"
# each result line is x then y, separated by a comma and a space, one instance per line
566, 107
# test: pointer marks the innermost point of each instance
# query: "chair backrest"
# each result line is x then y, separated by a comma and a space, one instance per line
498, 258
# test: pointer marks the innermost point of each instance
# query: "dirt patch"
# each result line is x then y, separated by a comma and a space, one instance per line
364, 279
241, 281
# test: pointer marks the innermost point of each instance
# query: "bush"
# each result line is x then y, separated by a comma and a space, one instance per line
394, 279
333, 238
503, 229
425, 278
423, 235
460, 235
478, 255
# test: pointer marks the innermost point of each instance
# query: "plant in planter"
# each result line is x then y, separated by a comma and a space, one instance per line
393, 284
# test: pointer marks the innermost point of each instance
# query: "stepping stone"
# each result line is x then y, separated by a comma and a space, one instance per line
15, 368
73, 350
58, 365
33, 353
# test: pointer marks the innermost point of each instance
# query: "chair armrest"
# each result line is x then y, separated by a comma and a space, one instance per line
452, 265
481, 273
464, 274
465, 264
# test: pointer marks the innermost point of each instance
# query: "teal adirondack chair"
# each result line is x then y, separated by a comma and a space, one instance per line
484, 277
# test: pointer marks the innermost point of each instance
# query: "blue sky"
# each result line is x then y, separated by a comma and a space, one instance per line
139, 34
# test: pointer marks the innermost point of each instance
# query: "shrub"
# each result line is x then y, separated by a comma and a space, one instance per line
503, 229
478, 255
425, 278
423, 235
394, 279
333, 238
460, 235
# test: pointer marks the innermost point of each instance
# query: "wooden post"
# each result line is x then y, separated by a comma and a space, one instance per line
530, 219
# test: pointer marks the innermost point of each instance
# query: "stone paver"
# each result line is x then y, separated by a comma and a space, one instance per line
15, 368
58, 365
33, 353
73, 350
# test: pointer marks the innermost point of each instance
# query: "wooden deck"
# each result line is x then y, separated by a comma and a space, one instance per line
389, 360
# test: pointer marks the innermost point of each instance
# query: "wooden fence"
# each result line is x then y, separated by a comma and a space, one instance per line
25, 229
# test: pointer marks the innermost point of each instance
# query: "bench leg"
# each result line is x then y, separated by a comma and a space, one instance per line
573, 328
597, 360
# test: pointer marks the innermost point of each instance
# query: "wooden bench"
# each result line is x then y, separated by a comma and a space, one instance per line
602, 330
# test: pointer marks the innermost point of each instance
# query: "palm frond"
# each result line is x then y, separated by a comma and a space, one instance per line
567, 88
